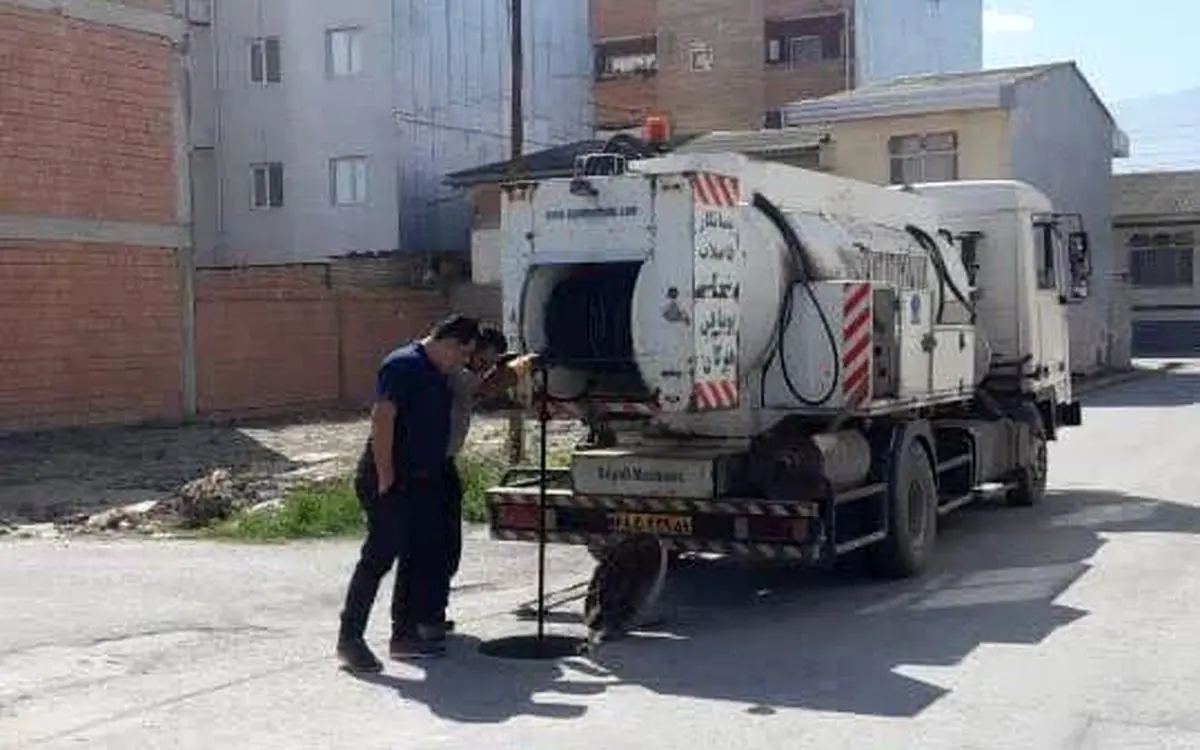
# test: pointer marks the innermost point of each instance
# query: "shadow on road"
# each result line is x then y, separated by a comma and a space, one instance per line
1171, 388
47, 474
470, 688
774, 637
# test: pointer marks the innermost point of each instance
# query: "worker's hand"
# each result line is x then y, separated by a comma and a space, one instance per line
522, 365
387, 482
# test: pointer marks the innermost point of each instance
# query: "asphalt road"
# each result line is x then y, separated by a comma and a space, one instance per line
1073, 625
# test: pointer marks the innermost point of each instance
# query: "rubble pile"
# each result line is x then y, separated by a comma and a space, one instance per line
197, 504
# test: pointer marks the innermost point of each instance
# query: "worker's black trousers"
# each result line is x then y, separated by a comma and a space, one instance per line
405, 527
454, 500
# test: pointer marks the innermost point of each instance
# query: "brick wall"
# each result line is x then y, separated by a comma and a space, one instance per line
89, 331
92, 332
85, 120
623, 18
88, 334
274, 340
740, 89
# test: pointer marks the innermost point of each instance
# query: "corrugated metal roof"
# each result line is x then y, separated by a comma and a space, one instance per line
1156, 193
919, 83
756, 141
983, 89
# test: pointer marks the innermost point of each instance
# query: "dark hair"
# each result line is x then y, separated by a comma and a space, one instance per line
457, 328
491, 338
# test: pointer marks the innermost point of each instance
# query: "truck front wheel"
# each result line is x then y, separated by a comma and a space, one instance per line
1031, 479
912, 517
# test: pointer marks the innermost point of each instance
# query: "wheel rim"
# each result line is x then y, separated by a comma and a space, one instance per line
916, 513
1041, 463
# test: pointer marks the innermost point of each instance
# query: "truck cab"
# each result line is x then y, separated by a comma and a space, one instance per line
1027, 266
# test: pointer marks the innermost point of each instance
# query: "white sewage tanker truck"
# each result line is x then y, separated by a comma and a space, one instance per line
780, 363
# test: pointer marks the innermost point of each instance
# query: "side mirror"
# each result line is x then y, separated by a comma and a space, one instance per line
1079, 264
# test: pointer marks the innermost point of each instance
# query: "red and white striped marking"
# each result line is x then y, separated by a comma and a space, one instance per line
715, 190
856, 345
710, 395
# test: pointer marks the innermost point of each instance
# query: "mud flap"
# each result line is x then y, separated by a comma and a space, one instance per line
625, 586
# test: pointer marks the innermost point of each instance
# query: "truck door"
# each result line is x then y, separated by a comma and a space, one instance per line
1051, 341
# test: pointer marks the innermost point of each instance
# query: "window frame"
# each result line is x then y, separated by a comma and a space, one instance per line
701, 51
360, 179
272, 185
1149, 252
899, 156
259, 51
643, 48
354, 51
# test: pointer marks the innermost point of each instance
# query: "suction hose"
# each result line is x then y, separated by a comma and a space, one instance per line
939, 264
803, 265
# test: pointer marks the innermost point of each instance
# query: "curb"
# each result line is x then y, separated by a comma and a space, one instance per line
1104, 382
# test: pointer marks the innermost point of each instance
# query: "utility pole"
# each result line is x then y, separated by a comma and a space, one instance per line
516, 116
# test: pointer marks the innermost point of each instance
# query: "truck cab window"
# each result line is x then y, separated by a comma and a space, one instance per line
1044, 251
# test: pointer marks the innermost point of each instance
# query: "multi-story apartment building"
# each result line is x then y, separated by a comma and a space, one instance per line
326, 128
720, 65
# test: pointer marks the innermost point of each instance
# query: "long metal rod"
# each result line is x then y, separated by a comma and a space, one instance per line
516, 116
543, 419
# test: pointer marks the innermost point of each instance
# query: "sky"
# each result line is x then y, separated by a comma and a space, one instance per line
1123, 52
1136, 62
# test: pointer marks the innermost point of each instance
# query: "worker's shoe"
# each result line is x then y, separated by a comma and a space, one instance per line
356, 657
422, 642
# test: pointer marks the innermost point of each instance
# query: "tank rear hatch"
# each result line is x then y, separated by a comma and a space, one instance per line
629, 285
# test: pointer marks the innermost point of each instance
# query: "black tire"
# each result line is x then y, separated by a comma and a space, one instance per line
912, 501
598, 549
1031, 479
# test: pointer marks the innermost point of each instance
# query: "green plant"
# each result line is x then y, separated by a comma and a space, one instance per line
328, 509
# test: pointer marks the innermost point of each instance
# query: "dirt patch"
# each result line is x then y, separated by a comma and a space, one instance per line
51, 476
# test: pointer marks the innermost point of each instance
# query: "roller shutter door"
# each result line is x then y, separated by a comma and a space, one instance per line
1166, 338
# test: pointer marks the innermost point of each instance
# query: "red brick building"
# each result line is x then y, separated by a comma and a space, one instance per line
715, 64
91, 214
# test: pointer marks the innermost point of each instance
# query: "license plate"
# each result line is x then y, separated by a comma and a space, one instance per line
650, 523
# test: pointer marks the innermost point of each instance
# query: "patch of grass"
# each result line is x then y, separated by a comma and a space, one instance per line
478, 474
317, 511
331, 509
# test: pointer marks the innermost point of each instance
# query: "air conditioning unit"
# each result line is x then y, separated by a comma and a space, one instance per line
200, 12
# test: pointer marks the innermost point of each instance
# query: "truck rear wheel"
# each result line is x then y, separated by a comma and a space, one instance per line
912, 517
1031, 479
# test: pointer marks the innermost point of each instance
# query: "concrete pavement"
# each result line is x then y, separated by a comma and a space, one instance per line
1071, 625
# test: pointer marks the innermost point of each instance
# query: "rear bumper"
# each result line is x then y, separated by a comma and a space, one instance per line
732, 527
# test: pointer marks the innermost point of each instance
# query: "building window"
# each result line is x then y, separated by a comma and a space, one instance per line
264, 60
266, 185
930, 157
805, 41
700, 57
343, 52
348, 180
804, 50
622, 58
1162, 259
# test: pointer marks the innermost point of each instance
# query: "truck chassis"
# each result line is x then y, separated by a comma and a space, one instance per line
922, 465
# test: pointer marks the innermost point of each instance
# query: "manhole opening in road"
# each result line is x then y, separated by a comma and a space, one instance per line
532, 647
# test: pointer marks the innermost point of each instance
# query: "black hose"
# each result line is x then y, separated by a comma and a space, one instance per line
800, 256
939, 264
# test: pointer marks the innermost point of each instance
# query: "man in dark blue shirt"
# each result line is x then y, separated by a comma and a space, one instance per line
400, 483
